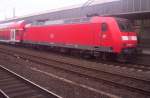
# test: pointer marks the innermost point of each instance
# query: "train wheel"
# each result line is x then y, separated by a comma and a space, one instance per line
122, 58
86, 54
104, 56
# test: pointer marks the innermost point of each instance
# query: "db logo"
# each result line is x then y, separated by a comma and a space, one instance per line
104, 36
51, 36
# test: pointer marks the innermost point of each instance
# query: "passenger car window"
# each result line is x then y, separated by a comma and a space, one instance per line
104, 27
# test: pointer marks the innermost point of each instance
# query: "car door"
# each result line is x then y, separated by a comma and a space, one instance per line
13, 35
104, 34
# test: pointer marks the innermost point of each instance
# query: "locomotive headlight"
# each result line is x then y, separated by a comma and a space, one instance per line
125, 38
133, 37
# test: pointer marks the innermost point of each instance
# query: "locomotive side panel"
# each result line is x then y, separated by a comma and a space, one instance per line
75, 35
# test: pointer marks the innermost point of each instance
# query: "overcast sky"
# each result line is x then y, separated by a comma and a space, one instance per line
26, 7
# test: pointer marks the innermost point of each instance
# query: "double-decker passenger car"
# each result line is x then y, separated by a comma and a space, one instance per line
9, 32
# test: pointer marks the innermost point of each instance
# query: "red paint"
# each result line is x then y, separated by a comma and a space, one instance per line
85, 34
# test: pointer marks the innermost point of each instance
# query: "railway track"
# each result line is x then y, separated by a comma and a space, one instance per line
129, 83
13, 85
136, 64
132, 65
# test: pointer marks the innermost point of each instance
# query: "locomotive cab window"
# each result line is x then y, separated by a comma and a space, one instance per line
124, 25
104, 27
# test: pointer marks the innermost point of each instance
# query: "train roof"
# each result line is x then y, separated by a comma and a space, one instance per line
13, 25
93, 19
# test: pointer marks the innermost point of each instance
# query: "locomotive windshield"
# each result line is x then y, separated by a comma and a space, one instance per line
124, 25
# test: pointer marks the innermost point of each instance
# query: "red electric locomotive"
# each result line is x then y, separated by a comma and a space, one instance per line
97, 35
